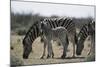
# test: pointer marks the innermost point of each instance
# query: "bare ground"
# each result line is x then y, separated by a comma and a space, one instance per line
34, 57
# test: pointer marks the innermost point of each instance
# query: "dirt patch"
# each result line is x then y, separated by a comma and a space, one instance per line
37, 50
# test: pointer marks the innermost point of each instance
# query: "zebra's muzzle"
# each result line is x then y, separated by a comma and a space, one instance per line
25, 57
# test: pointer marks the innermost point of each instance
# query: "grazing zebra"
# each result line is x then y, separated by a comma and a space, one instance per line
30, 36
59, 34
86, 30
35, 31
63, 22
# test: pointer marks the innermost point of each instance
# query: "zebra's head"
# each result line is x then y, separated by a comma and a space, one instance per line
30, 36
44, 26
27, 48
79, 46
82, 35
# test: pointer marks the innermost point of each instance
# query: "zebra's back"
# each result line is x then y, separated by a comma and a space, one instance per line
64, 22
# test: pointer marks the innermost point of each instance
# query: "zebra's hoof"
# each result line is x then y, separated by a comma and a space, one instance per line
41, 57
48, 57
73, 56
52, 56
63, 57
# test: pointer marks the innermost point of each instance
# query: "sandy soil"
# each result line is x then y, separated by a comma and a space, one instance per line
34, 57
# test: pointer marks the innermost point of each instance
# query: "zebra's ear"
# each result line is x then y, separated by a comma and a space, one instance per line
41, 19
36, 23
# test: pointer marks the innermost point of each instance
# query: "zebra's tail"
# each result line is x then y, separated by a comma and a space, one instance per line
76, 38
42, 37
67, 40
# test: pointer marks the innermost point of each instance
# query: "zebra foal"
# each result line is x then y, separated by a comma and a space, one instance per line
58, 34
35, 31
65, 22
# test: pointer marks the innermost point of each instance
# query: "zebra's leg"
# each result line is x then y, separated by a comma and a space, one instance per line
73, 47
92, 48
44, 51
45, 43
49, 49
52, 53
65, 45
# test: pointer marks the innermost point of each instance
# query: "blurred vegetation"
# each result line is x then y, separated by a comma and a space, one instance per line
91, 58
15, 61
21, 22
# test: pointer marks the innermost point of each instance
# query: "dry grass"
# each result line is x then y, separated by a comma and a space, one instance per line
34, 57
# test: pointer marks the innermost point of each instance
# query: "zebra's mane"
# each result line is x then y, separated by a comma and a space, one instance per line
57, 18
34, 24
58, 27
29, 35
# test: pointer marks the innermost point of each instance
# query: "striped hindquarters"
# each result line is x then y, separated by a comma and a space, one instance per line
64, 22
69, 25
34, 31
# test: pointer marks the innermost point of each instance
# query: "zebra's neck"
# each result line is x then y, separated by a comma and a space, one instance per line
46, 30
83, 34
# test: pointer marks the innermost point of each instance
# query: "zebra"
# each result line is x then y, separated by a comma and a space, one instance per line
30, 36
67, 23
86, 30
59, 34
35, 32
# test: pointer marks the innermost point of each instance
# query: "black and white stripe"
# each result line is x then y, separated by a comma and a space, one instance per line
64, 22
30, 36
35, 32
56, 22
32, 33
86, 30
58, 33
83, 33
